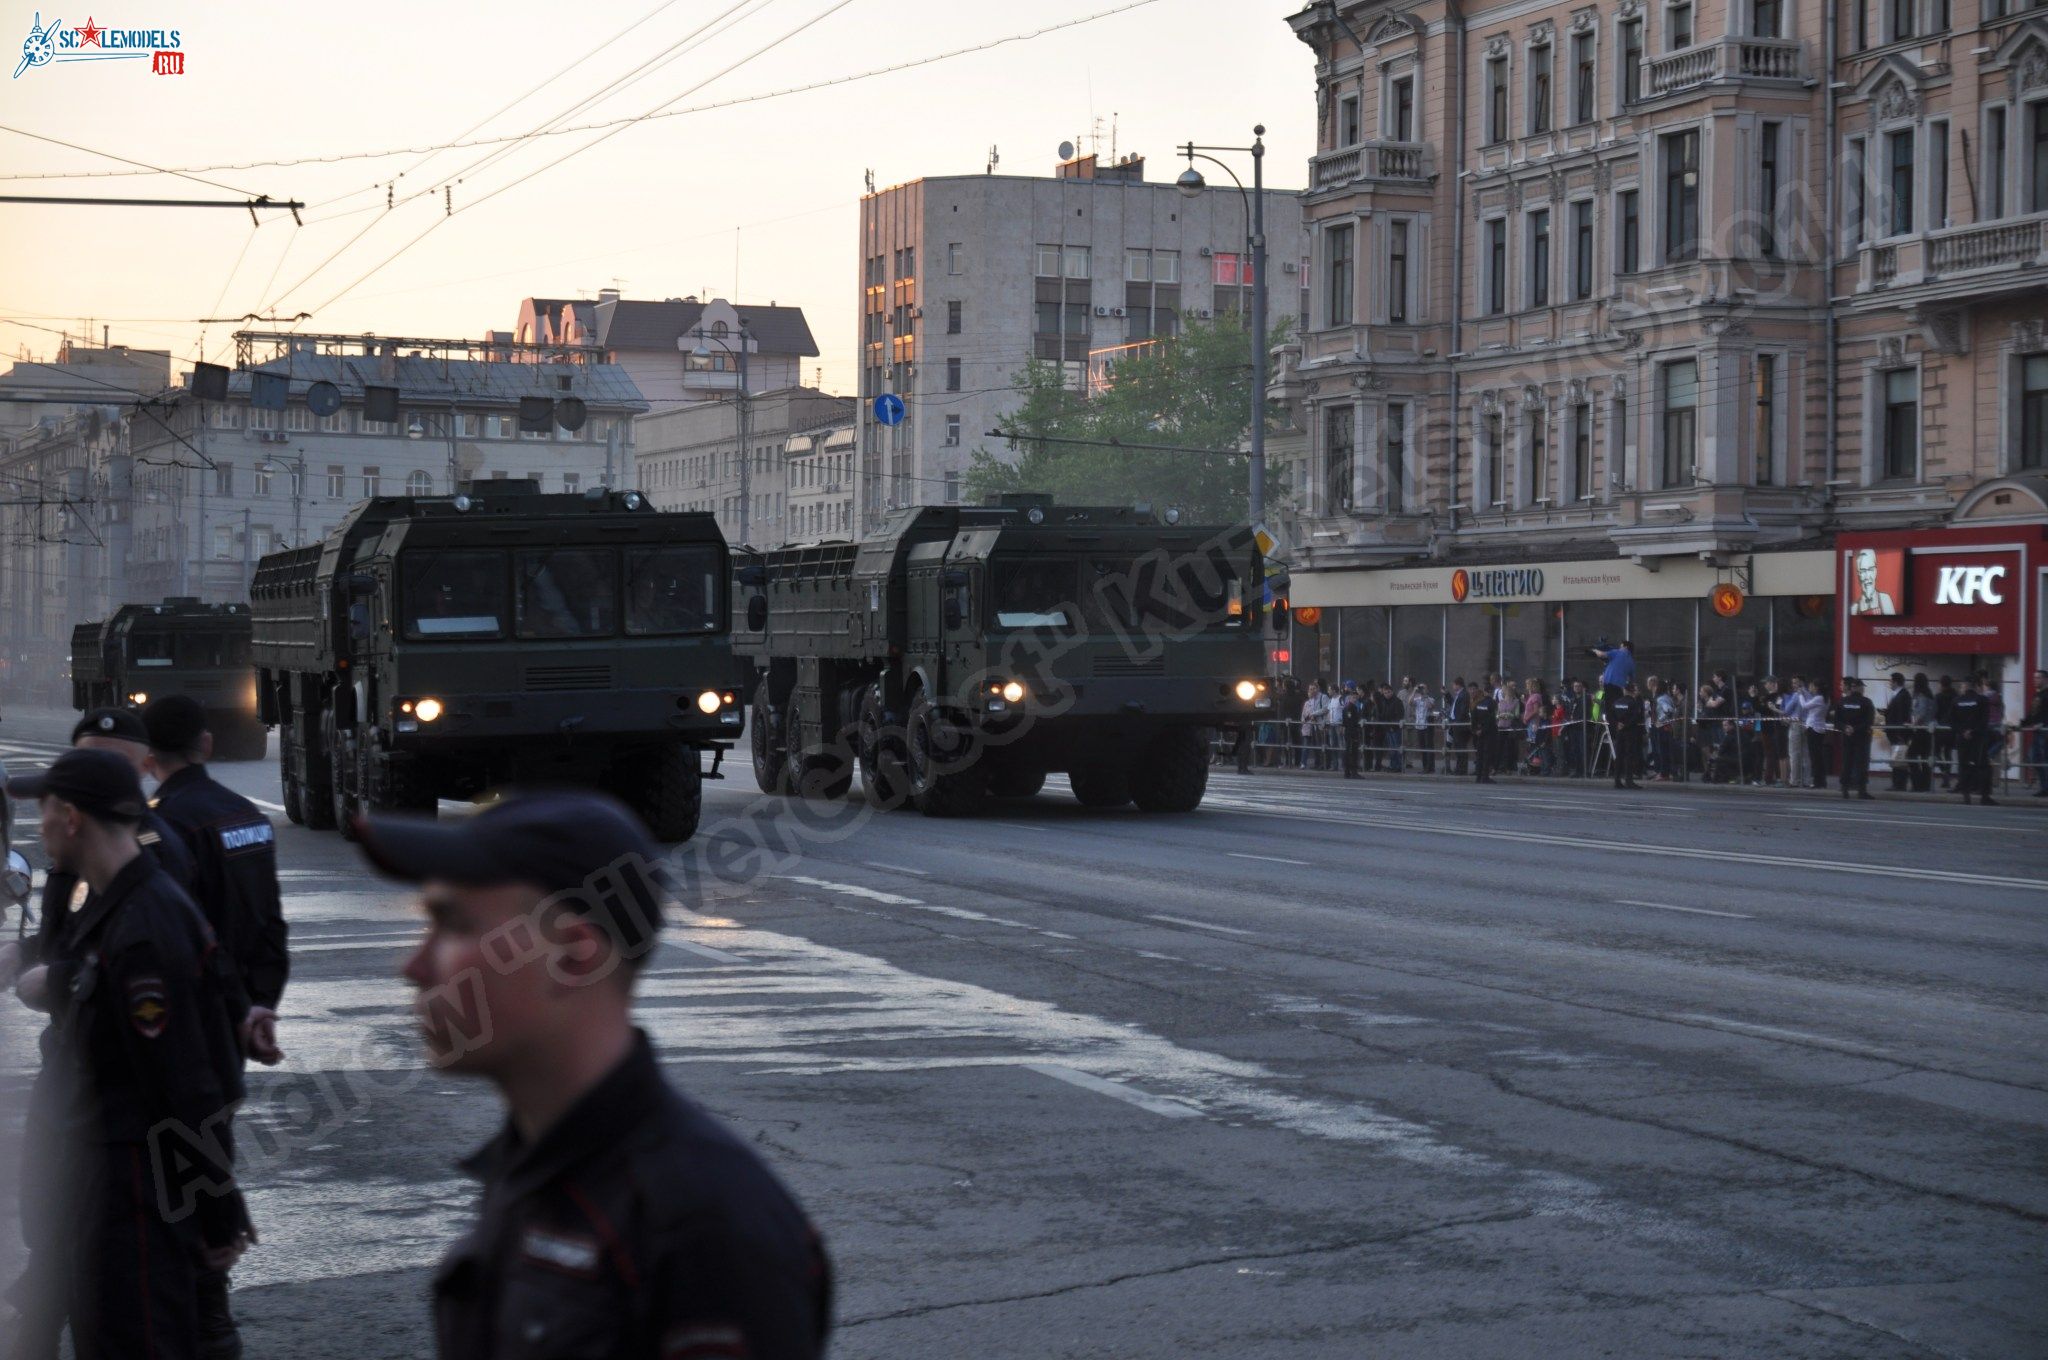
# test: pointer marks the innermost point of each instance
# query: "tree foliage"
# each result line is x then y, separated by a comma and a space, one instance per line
1193, 390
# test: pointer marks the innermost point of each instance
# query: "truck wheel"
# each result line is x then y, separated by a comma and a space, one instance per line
405, 791
771, 761
882, 778
945, 778
341, 758
825, 772
294, 793
1104, 785
666, 789
1016, 783
1171, 772
316, 794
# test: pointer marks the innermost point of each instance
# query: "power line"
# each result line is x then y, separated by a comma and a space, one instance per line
146, 167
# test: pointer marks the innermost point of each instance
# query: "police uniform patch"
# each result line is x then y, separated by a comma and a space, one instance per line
699, 1342
577, 1255
106, 723
149, 838
248, 837
146, 1008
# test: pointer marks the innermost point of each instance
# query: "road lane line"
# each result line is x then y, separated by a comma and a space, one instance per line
1172, 1109
887, 899
705, 951
1201, 925
896, 868
1696, 911
1270, 859
1743, 1027
278, 808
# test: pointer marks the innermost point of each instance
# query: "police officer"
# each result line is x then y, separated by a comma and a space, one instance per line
1485, 711
617, 1218
235, 848
1854, 717
1351, 708
1969, 719
1898, 730
41, 1318
148, 1064
1625, 725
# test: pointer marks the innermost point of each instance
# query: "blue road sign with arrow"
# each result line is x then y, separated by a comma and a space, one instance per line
889, 409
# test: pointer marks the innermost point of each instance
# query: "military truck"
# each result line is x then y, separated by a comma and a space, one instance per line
182, 646
442, 646
962, 652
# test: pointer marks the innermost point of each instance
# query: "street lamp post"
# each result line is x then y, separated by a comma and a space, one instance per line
417, 428
267, 467
1191, 186
703, 351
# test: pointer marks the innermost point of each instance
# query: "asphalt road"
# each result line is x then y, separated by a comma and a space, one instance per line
1332, 1070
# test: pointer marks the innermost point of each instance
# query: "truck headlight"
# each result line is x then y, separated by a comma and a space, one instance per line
708, 702
1013, 692
1247, 690
427, 710
139, 697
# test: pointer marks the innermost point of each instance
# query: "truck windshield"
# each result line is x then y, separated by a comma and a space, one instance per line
568, 593
150, 649
211, 650
1159, 592
454, 594
1034, 594
672, 589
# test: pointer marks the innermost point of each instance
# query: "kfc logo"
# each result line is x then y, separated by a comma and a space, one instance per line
1880, 581
1969, 585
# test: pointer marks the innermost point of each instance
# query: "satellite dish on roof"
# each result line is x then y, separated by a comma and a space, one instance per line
570, 413
1066, 151
323, 399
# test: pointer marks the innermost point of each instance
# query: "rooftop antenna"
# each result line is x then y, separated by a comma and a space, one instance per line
1112, 136
995, 158
870, 176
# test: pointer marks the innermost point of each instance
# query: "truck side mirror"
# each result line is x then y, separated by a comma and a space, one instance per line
361, 583
757, 613
754, 575
955, 576
955, 615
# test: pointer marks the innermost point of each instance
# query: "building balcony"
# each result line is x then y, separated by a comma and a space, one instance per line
1403, 164
1726, 61
1982, 260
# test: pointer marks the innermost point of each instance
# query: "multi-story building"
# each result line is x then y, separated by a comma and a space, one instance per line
965, 278
1574, 357
658, 343
820, 463
689, 458
55, 517
79, 376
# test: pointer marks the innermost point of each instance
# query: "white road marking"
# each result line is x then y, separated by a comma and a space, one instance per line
1172, 1109
357, 942
853, 890
1200, 925
705, 951
1774, 1032
1695, 911
1270, 859
896, 868
278, 808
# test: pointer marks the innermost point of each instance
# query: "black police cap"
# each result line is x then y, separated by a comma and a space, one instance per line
175, 722
584, 848
102, 783
124, 723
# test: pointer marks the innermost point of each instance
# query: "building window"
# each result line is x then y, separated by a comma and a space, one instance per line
1582, 78
1678, 25
223, 540
1077, 262
1681, 196
1937, 175
224, 479
1765, 441
372, 479
1496, 466
1337, 461
1632, 61
1539, 88
1862, 24
1681, 393
1048, 262
1397, 455
1855, 211
1994, 163
1138, 266
1768, 138
1496, 266
263, 474
337, 481
952, 430
1497, 99
953, 375
1901, 424
1397, 271
1539, 259
1401, 116
2033, 451
1631, 232
1764, 18
1539, 455
1582, 250
1582, 451
1899, 166
956, 258
2037, 189
1341, 286
419, 483
953, 317
1347, 121
1902, 19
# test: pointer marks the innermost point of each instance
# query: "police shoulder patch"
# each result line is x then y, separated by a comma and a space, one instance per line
149, 838
247, 836
147, 1010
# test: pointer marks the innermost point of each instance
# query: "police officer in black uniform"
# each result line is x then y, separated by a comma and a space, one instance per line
1485, 730
1898, 730
1351, 708
1969, 718
618, 1219
235, 848
146, 1063
1625, 725
1855, 717
40, 1317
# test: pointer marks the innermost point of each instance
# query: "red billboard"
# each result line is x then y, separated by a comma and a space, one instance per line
1932, 598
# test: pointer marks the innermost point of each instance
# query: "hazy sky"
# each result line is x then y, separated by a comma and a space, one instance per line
755, 201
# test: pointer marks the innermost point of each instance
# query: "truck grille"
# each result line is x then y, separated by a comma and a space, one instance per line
568, 677
1130, 665
201, 684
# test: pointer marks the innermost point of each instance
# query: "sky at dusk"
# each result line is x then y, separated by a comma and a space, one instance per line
755, 200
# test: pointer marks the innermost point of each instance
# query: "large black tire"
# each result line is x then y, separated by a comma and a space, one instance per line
1171, 772
341, 760
405, 790
1016, 783
667, 790
764, 739
813, 771
946, 778
316, 795
883, 781
1103, 785
294, 792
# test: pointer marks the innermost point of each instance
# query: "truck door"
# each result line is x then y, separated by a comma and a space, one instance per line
960, 624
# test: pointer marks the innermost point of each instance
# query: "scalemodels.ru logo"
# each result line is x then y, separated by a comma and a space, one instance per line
162, 47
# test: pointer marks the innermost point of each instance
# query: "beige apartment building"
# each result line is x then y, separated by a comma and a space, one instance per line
1572, 357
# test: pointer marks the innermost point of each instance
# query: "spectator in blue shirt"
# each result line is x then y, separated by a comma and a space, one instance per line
1620, 671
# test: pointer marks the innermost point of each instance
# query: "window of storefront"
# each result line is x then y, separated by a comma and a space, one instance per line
1741, 645
1587, 624
1802, 635
1663, 633
1419, 644
1529, 641
1472, 642
1362, 644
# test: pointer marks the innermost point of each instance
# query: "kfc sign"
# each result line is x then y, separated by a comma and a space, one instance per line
1945, 599
1970, 585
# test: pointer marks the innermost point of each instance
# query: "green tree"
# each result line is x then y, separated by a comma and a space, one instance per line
1193, 390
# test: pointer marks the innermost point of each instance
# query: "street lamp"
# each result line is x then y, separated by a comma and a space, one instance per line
416, 428
703, 351
1191, 185
266, 467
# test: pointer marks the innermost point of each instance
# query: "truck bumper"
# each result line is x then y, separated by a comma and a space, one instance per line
1150, 702
611, 717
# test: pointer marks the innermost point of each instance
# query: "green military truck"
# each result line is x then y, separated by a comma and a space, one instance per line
442, 646
182, 646
963, 652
